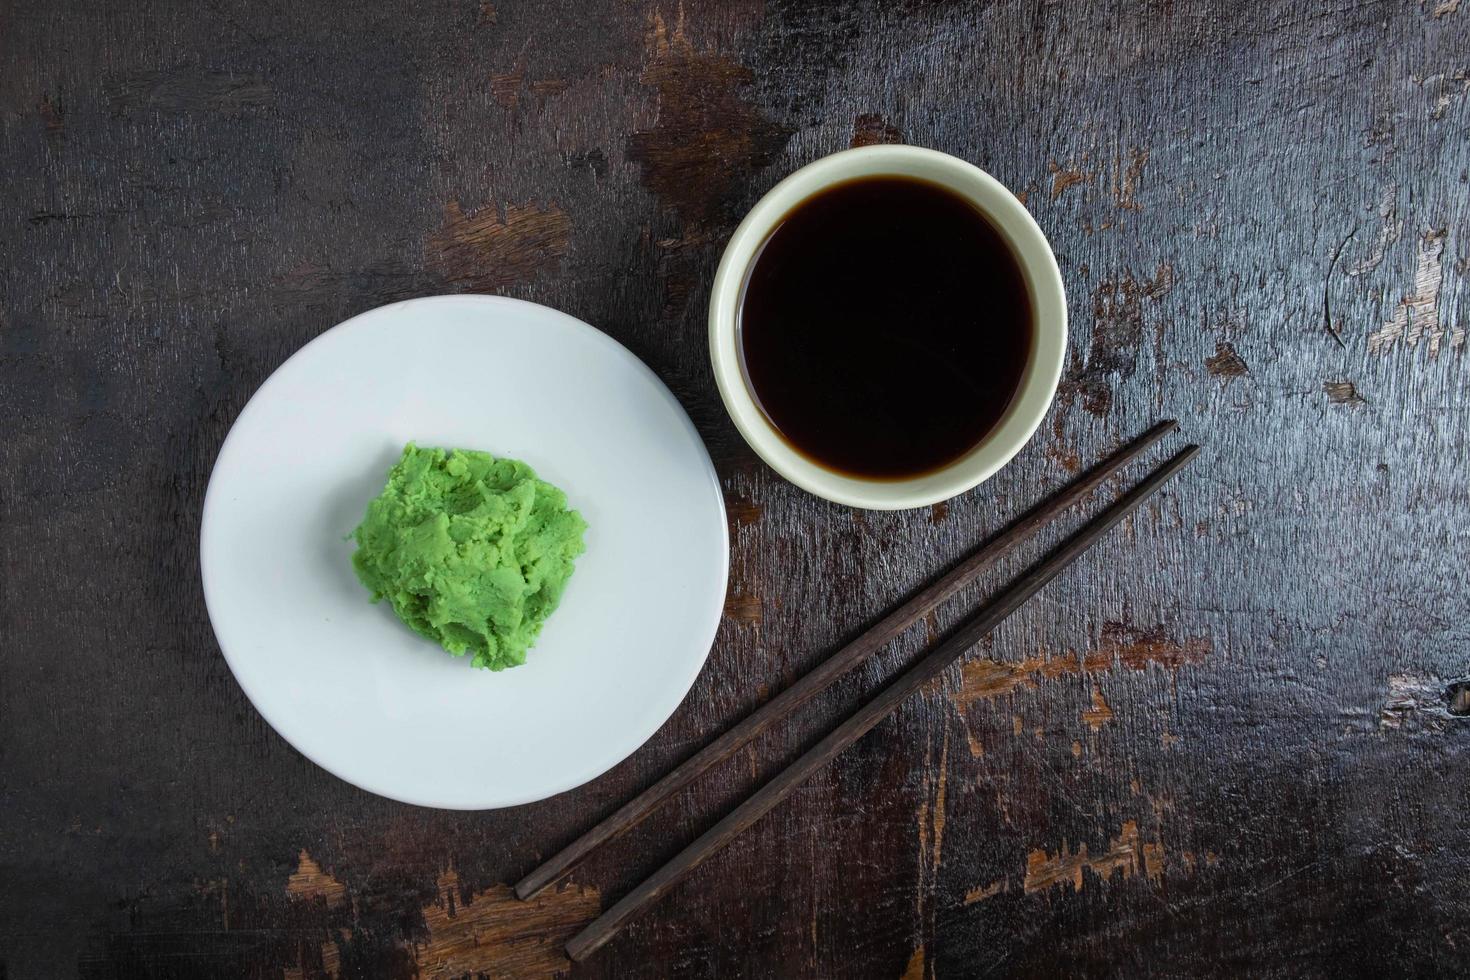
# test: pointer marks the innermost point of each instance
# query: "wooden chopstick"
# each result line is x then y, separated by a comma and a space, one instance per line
821, 677
606, 925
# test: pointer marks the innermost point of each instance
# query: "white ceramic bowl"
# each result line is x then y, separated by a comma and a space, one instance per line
1038, 380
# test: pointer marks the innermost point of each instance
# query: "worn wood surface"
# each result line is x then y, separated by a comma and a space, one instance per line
1229, 741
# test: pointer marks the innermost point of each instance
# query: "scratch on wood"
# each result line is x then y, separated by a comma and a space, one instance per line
1343, 393
1126, 188
488, 251
1226, 363
931, 626
1445, 8
1120, 645
1045, 871
981, 892
309, 881
743, 608
915, 968
1063, 178
1153, 861
547, 87
1327, 323
1137, 649
1162, 283
939, 512
742, 512
937, 821
983, 678
1417, 315
495, 933
930, 819
331, 959
505, 88
1099, 714
871, 129
1413, 702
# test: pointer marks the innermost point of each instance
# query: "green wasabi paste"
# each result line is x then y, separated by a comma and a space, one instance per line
473, 552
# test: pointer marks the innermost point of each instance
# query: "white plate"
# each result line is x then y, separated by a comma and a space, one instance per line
349, 685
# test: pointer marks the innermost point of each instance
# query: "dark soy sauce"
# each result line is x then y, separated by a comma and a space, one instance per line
884, 327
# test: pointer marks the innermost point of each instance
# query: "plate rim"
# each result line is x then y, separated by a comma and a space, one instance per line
712, 616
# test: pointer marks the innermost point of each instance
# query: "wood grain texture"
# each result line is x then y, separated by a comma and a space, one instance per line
819, 679
934, 662
193, 191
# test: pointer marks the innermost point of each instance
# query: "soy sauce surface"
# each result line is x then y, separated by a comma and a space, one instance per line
884, 327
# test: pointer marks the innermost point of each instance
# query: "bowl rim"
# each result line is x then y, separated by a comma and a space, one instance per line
1039, 378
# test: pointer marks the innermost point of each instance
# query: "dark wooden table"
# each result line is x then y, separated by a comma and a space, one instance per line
1229, 741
